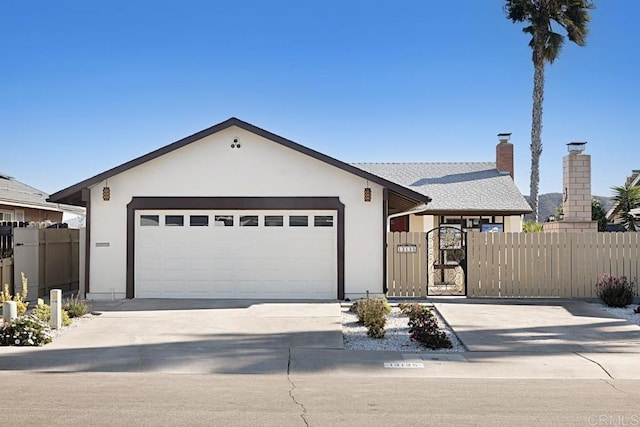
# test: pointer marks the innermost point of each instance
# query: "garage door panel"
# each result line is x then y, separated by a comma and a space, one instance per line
236, 262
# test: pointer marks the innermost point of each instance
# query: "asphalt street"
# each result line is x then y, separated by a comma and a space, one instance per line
156, 399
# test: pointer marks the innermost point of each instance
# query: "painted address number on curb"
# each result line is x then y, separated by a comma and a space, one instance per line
403, 365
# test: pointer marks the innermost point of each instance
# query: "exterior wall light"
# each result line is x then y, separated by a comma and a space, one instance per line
367, 194
106, 194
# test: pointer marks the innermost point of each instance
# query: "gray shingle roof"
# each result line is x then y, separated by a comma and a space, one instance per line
15, 193
455, 186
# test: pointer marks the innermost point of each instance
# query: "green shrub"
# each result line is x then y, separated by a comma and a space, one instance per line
43, 313
615, 291
25, 331
375, 316
75, 306
423, 326
359, 307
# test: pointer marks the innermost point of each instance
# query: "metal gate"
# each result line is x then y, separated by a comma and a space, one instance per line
446, 261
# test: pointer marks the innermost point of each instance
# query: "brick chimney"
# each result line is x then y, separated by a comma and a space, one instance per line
504, 154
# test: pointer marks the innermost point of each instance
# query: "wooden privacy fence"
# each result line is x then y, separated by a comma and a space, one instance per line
406, 264
58, 259
548, 264
6, 273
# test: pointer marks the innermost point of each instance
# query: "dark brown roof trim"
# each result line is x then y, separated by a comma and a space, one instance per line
71, 195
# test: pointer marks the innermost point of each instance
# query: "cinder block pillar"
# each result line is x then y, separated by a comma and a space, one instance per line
576, 204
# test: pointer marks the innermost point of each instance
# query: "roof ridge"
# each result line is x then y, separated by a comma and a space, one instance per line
423, 163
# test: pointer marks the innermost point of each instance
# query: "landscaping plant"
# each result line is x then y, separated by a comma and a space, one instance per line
375, 316
43, 313
372, 312
615, 291
19, 298
423, 326
25, 331
359, 307
75, 306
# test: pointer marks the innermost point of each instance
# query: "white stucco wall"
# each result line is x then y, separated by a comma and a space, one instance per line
513, 224
211, 168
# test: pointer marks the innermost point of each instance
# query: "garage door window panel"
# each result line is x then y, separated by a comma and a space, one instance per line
223, 220
248, 220
199, 220
298, 221
323, 221
174, 220
149, 220
273, 221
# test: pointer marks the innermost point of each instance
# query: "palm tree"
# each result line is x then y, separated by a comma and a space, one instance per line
626, 198
541, 17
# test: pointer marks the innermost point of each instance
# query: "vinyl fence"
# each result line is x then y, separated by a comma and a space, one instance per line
406, 264
58, 259
548, 264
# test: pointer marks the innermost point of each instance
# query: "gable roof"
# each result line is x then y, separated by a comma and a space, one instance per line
456, 187
18, 194
405, 196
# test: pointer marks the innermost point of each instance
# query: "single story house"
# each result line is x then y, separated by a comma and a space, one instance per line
470, 196
235, 211
22, 203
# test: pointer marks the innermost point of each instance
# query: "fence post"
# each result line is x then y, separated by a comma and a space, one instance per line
9, 311
56, 308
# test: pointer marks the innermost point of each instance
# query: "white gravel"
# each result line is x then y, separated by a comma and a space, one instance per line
397, 334
626, 313
75, 322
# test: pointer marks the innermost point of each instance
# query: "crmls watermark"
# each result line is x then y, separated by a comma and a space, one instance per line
614, 420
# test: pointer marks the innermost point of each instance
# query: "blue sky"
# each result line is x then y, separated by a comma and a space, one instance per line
88, 85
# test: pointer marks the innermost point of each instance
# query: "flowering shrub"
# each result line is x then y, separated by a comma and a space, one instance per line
423, 326
19, 298
43, 313
25, 331
615, 291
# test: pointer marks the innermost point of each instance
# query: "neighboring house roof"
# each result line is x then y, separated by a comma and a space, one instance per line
20, 195
456, 187
401, 195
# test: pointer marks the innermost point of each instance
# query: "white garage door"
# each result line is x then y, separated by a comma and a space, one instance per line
236, 254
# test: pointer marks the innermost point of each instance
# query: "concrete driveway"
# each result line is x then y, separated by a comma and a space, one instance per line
186, 336
552, 326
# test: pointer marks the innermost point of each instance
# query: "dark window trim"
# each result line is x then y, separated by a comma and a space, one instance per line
233, 203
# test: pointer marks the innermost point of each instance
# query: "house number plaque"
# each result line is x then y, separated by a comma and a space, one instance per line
407, 249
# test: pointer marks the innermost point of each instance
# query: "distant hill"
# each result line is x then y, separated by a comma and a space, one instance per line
548, 202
